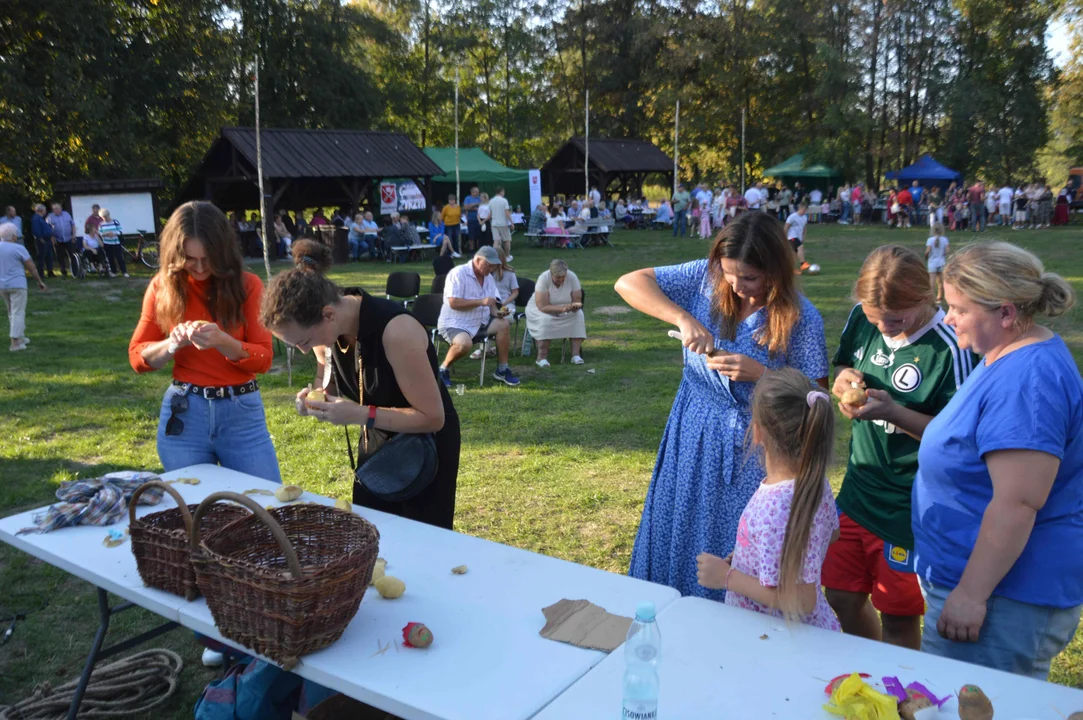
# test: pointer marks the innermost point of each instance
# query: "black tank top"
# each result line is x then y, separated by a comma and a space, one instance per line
381, 387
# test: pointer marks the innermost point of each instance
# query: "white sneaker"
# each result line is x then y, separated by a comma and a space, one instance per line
24, 340
213, 659
576, 360
127, 275
476, 355
542, 363
510, 258
456, 255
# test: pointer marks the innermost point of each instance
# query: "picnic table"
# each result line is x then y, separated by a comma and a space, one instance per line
721, 661
488, 659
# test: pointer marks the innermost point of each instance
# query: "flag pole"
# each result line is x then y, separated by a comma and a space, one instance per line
458, 194
742, 151
267, 229
586, 144
676, 148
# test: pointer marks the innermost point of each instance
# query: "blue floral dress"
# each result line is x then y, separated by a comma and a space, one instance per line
705, 474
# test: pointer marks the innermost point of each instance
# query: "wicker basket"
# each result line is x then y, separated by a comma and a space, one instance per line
160, 541
286, 582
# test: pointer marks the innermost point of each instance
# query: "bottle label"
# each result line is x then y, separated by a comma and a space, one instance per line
639, 710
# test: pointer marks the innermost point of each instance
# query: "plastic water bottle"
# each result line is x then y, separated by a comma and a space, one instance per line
642, 655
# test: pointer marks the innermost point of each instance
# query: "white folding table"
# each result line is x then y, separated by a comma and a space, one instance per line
725, 662
488, 659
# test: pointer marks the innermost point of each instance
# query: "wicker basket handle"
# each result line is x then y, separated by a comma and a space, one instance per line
169, 489
272, 524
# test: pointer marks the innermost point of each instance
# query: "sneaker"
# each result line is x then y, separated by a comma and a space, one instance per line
445, 376
22, 346
213, 659
507, 377
456, 255
510, 258
576, 360
476, 355
542, 363
24, 340
127, 275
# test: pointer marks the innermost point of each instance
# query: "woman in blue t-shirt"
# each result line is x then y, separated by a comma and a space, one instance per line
998, 498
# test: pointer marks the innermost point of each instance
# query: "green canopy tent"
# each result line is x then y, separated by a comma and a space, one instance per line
477, 168
793, 169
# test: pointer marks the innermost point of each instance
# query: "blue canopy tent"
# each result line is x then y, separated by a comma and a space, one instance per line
927, 171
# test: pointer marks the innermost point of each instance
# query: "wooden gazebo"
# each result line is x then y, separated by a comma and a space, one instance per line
304, 168
614, 166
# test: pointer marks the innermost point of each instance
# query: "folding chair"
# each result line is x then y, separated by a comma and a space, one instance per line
404, 285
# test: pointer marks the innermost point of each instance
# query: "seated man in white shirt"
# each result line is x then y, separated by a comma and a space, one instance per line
470, 307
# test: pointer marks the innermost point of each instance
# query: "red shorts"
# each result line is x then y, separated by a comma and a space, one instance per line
855, 563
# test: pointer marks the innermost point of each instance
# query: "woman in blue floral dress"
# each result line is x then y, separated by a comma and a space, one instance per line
739, 314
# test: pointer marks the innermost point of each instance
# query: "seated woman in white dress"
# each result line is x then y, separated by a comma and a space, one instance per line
555, 312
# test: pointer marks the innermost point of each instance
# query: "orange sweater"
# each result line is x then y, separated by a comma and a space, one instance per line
207, 367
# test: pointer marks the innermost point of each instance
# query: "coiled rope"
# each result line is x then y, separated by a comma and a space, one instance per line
130, 685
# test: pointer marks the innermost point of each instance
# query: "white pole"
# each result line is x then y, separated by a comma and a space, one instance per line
676, 148
742, 151
586, 158
458, 194
259, 171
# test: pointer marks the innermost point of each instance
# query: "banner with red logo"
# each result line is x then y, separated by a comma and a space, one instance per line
400, 196
535, 189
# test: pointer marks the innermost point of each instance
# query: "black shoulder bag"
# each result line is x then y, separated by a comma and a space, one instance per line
392, 466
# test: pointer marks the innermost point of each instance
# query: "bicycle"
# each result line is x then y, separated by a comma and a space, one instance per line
146, 251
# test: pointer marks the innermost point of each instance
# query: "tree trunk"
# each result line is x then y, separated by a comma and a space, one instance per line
870, 103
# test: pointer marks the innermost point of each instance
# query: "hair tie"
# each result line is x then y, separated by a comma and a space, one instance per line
305, 259
815, 395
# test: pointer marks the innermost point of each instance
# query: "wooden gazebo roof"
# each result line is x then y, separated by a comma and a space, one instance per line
304, 168
623, 162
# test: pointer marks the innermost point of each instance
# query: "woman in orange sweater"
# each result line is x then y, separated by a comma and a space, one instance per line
202, 312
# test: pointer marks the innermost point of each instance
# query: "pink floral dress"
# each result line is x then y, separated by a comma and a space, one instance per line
758, 552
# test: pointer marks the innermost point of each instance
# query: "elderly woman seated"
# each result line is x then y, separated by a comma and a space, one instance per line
555, 312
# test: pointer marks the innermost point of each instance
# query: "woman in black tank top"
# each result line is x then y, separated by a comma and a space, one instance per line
401, 383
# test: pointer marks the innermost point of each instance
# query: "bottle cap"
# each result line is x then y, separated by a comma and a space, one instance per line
645, 611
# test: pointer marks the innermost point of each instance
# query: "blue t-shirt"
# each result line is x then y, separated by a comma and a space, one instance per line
13, 259
916, 192
1030, 399
470, 205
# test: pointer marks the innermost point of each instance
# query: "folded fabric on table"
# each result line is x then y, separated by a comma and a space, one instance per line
97, 501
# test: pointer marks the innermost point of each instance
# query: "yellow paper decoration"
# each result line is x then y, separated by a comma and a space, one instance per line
854, 699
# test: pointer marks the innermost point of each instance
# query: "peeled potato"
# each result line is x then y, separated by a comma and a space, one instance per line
344, 504
856, 397
378, 570
459, 570
316, 396
390, 587
914, 703
288, 493
973, 704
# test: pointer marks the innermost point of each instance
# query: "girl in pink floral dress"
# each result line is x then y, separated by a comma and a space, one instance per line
786, 527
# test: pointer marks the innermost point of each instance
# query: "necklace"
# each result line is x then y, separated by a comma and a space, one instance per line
338, 344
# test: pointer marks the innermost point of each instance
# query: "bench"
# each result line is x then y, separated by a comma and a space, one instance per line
405, 253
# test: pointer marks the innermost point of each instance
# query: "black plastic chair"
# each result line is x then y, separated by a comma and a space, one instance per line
526, 291
442, 264
426, 309
437, 286
404, 285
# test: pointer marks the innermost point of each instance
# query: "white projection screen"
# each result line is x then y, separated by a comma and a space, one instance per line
134, 211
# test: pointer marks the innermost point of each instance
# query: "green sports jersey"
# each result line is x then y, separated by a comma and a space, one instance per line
921, 373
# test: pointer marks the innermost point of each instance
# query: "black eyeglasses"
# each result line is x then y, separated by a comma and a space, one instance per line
177, 405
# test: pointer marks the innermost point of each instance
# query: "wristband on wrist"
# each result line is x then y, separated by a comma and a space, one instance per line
371, 418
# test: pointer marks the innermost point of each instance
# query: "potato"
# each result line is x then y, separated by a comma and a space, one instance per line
1076, 716
419, 636
390, 587
973, 704
855, 397
914, 703
459, 569
378, 571
344, 504
316, 395
288, 493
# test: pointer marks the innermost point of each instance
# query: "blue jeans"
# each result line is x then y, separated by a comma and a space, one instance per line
46, 253
845, 215
680, 222
231, 432
1016, 637
357, 247
453, 236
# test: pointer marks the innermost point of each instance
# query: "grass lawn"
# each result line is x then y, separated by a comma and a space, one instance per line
559, 465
